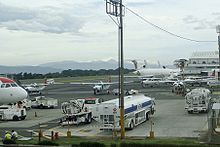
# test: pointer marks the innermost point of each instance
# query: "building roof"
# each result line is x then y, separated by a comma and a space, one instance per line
205, 54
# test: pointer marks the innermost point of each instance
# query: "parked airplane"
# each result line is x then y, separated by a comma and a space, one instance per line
34, 89
144, 72
10, 91
99, 87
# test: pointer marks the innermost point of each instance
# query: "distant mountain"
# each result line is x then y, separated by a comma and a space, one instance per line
27, 69
95, 65
52, 67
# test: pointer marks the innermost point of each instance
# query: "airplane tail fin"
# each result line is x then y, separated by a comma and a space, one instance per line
109, 79
135, 64
145, 64
158, 63
45, 80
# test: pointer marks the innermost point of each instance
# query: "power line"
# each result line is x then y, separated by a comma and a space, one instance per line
164, 30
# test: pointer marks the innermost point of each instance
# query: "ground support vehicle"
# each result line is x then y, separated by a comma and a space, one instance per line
138, 109
12, 112
78, 111
26, 103
126, 92
44, 102
197, 100
179, 88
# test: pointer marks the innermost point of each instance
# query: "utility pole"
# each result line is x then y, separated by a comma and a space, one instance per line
116, 8
122, 110
218, 31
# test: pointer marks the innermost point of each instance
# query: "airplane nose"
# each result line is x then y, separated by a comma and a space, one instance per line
23, 93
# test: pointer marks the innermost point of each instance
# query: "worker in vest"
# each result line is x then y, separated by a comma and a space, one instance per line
7, 136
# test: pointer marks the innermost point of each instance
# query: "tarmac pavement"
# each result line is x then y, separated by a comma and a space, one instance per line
170, 119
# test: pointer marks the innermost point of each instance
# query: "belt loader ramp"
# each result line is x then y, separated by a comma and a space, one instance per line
138, 109
78, 111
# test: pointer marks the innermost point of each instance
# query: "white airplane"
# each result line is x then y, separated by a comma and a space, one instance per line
99, 87
151, 82
34, 89
10, 91
144, 72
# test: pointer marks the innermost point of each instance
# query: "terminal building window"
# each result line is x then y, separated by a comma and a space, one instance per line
213, 62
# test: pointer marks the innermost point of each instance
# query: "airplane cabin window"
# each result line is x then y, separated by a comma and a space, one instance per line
8, 85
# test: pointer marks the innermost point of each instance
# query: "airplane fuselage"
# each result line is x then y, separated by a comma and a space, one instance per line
157, 72
10, 92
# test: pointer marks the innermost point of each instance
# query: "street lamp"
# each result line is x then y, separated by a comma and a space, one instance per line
218, 31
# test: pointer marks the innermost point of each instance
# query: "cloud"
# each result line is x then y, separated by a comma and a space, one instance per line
137, 3
46, 19
199, 24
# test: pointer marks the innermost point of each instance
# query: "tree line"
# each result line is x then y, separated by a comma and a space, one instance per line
69, 73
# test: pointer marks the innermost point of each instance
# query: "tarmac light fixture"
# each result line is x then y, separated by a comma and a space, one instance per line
115, 8
218, 31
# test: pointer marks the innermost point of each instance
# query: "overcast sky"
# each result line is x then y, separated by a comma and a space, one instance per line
39, 31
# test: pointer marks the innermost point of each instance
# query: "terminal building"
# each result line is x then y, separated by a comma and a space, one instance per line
202, 63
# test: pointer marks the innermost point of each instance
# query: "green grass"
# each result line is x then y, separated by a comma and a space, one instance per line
109, 141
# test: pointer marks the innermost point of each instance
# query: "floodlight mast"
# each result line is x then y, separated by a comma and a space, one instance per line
115, 8
218, 31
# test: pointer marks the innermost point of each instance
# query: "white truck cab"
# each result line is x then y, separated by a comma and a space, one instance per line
11, 112
44, 102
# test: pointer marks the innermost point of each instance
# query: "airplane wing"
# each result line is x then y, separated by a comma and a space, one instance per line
92, 83
97, 83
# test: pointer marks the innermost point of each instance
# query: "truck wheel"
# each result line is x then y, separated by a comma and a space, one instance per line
15, 118
190, 112
147, 116
131, 127
152, 110
23, 117
89, 118
41, 106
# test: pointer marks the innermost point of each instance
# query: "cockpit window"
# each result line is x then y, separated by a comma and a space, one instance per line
6, 85
3, 86
14, 85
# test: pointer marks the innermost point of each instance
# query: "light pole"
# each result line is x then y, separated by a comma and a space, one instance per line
218, 31
115, 8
